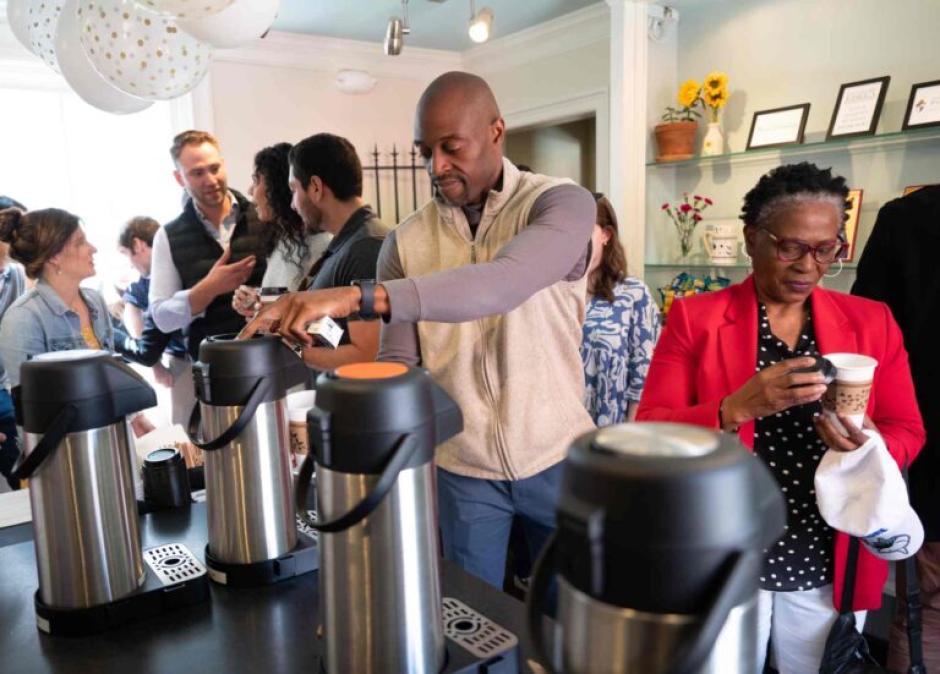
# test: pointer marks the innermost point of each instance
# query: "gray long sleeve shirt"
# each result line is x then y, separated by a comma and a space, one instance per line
554, 246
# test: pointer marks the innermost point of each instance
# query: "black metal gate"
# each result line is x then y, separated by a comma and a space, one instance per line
399, 185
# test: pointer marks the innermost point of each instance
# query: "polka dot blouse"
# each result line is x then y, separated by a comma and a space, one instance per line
788, 443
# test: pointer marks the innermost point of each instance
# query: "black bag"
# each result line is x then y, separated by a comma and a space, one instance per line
846, 650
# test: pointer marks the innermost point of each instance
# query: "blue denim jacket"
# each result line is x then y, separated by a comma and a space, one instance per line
39, 322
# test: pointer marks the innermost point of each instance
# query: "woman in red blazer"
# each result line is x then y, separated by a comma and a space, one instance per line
726, 360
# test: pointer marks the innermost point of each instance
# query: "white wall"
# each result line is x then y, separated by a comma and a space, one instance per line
288, 104
553, 73
560, 149
539, 82
283, 89
786, 52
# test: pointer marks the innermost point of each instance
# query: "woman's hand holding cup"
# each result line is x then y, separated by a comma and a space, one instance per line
773, 390
852, 439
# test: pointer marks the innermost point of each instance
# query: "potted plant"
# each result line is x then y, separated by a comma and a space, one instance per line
675, 137
714, 97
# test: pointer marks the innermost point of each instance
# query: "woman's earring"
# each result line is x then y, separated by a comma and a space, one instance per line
838, 271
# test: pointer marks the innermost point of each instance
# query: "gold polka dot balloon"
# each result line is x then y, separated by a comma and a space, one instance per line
185, 9
43, 17
141, 53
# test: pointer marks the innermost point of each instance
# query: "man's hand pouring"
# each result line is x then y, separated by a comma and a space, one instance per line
290, 315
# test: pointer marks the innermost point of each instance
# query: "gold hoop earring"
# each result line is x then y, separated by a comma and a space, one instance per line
839, 271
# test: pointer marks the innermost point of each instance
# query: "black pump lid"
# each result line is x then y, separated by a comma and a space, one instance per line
229, 368
363, 409
665, 503
102, 388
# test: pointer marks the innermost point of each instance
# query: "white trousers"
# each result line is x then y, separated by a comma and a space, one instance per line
797, 624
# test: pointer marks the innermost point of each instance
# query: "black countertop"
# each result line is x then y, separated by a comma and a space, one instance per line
265, 630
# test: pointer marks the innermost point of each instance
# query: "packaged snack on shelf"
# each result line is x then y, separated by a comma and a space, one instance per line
686, 284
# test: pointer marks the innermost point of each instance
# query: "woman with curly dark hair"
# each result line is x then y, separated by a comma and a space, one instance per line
732, 360
289, 248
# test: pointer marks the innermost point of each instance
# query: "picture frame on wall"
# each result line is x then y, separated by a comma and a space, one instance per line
778, 127
913, 188
851, 222
858, 108
923, 107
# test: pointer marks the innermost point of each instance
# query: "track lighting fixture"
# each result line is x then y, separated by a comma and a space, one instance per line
480, 23
396, 32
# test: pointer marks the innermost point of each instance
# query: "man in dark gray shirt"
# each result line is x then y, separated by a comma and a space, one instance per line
484, 287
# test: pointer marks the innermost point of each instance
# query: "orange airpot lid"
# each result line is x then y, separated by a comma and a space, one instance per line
371, 370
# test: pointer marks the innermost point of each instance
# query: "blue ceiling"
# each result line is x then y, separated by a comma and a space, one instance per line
436, 25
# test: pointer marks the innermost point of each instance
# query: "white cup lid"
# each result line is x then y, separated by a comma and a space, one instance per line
299, 403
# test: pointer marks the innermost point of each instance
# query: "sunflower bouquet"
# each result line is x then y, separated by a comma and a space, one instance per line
714, 93
689, 98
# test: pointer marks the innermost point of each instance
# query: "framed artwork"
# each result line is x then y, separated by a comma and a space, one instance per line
851, 222
913, 188
858, 108
780, 126
923, 107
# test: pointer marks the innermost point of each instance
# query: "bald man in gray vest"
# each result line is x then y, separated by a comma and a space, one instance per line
485, 287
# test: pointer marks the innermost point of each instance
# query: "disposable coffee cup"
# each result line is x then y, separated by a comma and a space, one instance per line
848, 393
298, 404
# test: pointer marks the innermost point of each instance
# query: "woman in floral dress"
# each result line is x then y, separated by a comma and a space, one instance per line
621, 327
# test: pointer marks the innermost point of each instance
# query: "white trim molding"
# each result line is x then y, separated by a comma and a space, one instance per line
628, 124
327, 54
557, 36
594, 103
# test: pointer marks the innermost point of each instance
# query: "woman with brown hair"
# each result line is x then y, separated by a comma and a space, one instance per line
57, 314
621, 326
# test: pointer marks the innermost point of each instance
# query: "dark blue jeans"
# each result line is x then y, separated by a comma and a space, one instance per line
9, 449
476, 518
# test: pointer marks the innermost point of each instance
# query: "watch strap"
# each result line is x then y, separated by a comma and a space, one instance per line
367, 301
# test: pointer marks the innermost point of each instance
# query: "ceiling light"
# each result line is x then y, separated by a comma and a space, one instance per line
480, 23
396, 32
354, 81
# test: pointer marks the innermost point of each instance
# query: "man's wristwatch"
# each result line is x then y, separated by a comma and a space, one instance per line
367, 302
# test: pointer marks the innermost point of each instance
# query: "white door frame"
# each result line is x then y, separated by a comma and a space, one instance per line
575, 107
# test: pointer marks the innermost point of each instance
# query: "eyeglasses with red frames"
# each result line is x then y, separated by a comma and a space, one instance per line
790, 250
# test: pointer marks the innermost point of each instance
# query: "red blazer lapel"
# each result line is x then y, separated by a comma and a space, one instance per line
737, 343
834, 332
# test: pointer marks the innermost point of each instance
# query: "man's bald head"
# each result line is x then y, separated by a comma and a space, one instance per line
459, 132
466, 90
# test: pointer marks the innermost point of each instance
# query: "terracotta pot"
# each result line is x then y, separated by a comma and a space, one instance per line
675, 140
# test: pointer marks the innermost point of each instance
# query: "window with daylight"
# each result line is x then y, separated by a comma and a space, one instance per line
58, 151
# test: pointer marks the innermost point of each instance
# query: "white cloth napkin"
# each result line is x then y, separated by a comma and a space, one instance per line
862, 493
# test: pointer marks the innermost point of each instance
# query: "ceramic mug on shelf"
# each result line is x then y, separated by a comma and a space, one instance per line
722, 241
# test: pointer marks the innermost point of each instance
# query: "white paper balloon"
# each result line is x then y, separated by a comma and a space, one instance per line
18, 18
81, 74
141, 53
241, 22
43, 15
185, 9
